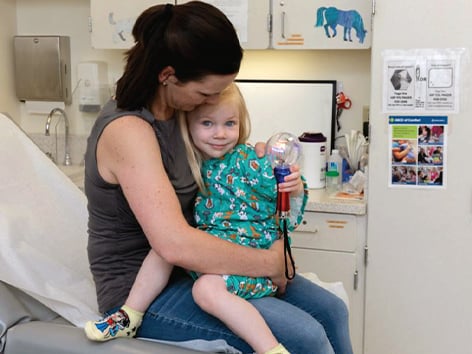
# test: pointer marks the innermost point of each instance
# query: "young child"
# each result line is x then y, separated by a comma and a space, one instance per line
236, 202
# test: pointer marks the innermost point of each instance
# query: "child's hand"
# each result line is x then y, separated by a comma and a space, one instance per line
293, 182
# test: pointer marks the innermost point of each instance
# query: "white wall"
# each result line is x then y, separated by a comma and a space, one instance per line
352, 67
420, 266
70, 18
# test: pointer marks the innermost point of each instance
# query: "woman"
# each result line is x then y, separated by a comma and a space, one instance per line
140, 189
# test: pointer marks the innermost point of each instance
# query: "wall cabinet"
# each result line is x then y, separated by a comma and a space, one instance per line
261, 24
332, 246
111, 22
315, 24
250, 18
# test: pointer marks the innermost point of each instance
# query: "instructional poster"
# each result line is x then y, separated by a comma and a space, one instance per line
421, 81
418, 151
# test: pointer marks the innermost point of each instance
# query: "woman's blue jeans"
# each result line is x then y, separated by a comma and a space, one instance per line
306, 319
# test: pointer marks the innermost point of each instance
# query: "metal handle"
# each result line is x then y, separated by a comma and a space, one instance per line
283, 25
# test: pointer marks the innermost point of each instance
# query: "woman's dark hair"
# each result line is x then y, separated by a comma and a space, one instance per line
194, 38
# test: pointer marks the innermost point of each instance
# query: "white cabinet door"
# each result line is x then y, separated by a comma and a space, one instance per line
315, 24
331, 245
331, 266
111, 22
250, 18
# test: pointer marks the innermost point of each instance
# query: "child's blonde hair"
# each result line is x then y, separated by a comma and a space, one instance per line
231, 95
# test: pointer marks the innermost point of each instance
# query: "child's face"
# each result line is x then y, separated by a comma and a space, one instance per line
214, 128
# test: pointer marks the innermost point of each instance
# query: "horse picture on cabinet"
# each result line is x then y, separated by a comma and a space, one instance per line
331, 17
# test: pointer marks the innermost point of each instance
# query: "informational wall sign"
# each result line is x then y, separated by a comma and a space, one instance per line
418, 151
421, 81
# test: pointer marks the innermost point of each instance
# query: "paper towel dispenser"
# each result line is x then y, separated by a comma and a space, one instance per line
42, 68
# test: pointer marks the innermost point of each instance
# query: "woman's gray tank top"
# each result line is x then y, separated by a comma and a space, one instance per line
117, 244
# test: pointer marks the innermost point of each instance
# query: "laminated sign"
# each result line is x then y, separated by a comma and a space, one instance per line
418, 151
421, 81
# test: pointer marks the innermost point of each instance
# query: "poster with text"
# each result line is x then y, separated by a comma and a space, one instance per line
418, 151
421, 81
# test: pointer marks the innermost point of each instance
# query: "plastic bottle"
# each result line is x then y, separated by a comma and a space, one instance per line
335, 163
313, 160
332, 182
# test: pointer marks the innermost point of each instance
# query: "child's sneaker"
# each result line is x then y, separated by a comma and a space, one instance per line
123, 323
279, 349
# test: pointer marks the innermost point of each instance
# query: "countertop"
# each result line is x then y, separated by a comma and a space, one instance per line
319, 200
75, 173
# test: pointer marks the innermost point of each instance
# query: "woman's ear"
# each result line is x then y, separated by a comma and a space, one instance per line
166, 73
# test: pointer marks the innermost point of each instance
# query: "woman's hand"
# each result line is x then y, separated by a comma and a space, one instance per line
260, 149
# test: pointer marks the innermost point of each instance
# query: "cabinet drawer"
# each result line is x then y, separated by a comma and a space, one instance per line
337, 232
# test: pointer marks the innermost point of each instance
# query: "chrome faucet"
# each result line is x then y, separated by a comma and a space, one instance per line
67, 160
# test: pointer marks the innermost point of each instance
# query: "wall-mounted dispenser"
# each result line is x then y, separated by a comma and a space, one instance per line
93, 85
42, 68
